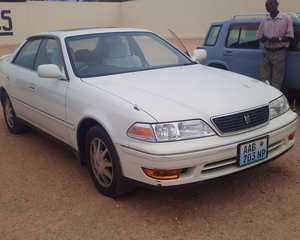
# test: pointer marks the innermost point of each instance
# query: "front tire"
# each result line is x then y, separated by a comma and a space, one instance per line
11, 120
103, 164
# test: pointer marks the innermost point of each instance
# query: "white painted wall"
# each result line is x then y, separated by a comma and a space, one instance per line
35, 16
187, 18
191, 18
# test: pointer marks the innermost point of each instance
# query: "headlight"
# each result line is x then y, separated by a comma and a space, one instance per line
278, 107
172, 131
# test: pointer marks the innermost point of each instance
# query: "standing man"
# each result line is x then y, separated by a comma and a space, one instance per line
275, 32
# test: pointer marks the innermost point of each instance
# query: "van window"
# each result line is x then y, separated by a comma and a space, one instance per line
295, 44
242, 36
212, 36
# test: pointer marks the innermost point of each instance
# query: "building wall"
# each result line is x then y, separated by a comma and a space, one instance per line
35, 16
187, 18
191, 18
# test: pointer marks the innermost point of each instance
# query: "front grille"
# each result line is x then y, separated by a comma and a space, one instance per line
238, 121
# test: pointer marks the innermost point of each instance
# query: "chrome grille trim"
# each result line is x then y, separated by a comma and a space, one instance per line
220, 164
230, 164
237, 122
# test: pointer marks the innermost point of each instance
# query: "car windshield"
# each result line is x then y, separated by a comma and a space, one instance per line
113, 53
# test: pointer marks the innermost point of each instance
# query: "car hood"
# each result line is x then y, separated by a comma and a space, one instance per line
187, 92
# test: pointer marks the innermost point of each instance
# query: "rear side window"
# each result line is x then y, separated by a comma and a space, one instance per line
38, 51
26, 57
212, 36
242, 36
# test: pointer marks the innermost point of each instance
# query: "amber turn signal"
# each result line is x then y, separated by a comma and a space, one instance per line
162, 174
292, 136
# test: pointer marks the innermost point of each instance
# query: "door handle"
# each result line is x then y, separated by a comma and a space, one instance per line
227, 53
31, 87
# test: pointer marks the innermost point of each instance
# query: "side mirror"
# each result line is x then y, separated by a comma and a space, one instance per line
50, 71
199, 54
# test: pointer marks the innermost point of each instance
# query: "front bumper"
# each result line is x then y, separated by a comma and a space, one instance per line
202, 159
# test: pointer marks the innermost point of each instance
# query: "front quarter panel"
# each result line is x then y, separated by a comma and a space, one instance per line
114, 114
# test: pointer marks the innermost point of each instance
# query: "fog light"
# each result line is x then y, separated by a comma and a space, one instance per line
292, 136
162, 174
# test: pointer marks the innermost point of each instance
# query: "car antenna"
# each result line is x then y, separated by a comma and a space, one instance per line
181, 46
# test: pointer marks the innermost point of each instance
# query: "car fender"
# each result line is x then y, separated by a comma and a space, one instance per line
88, 111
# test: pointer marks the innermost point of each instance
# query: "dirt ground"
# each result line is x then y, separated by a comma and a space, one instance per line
46, 194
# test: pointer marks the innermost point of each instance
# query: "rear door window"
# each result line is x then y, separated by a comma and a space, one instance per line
26, 57
242, 36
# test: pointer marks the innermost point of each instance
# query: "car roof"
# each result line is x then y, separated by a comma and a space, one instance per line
86, 31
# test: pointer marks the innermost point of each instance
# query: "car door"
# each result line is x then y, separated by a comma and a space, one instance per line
47, 95
292, 70
18, 74
241, 51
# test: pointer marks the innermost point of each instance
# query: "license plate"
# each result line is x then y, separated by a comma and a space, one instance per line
252, 151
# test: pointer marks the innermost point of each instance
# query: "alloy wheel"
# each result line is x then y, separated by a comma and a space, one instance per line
101, 162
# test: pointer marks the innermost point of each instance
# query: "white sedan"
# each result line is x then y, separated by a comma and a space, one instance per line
140, 112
